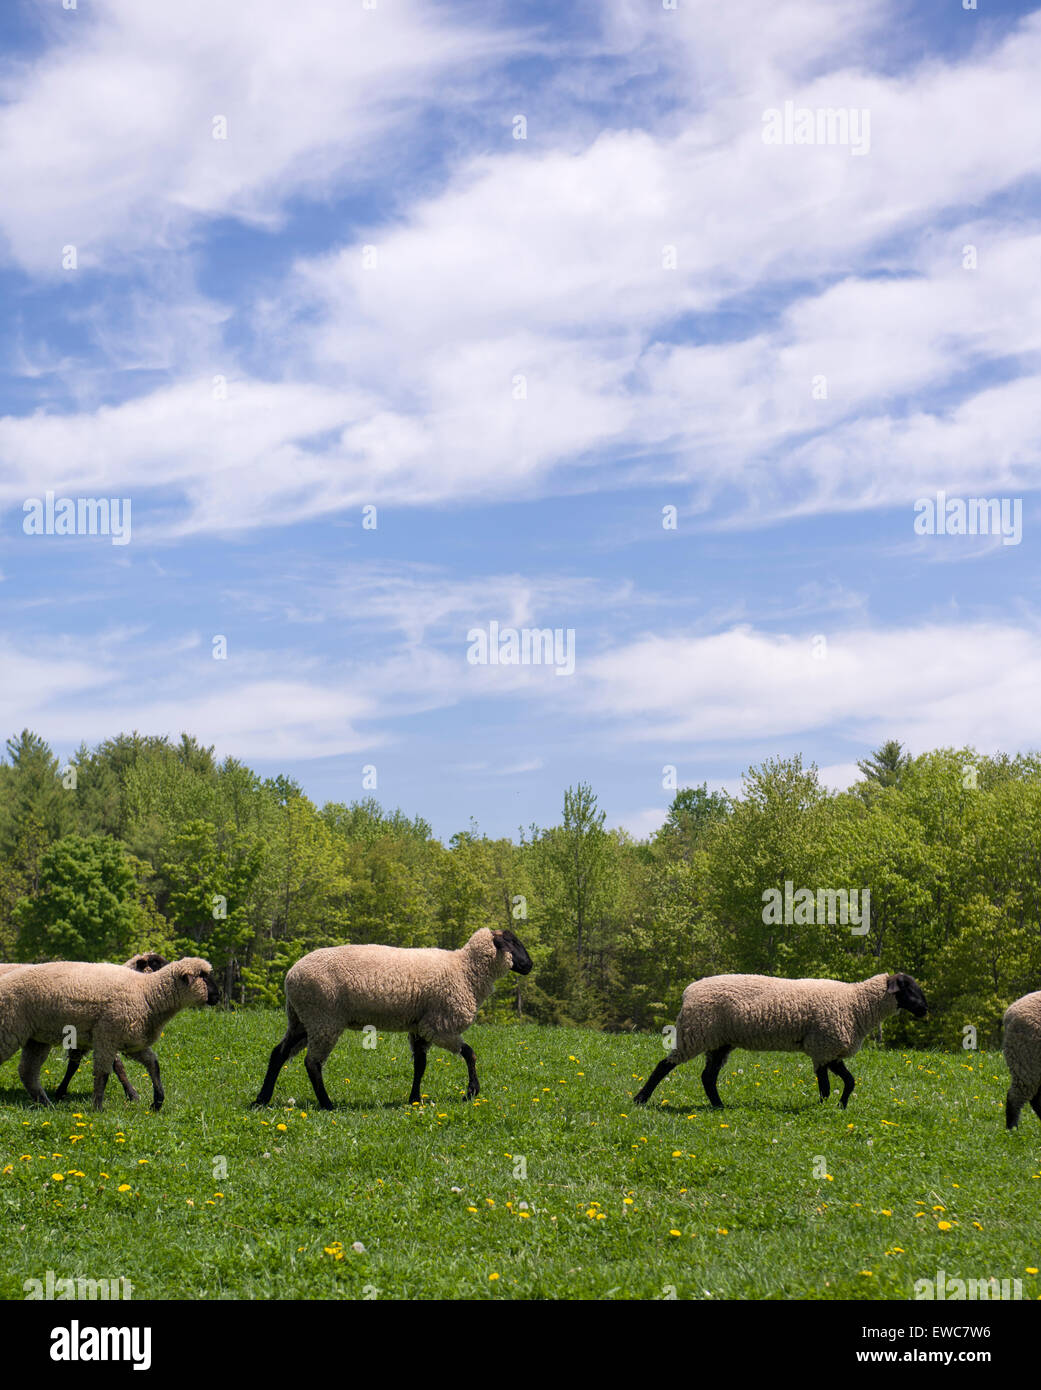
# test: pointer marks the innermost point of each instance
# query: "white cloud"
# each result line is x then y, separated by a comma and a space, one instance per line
544, 262
929, 685
106, 139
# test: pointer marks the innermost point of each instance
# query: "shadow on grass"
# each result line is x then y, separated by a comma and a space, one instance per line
18, 1097
793, 1107
21, 1099
356, 1106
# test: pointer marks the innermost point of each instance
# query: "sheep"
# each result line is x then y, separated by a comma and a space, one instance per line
145, 962
108, 1007
431, 994
1022, 1048
826, 1019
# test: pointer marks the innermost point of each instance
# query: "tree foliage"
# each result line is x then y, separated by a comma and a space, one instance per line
142, 841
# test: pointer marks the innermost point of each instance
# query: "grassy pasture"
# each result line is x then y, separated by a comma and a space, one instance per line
565, 1188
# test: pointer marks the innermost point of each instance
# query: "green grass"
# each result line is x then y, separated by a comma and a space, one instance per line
923, 1142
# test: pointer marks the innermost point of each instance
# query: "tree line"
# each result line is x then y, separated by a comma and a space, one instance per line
147, 843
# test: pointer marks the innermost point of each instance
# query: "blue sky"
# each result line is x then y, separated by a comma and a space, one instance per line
668, 289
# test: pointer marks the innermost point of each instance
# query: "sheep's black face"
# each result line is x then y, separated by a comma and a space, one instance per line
520, 961
197, 975
148, 962
908, 993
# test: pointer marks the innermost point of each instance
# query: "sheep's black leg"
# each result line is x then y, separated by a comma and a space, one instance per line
1012, 1109
659, 1074
32, 1059
713, 1065
419, 1047
1035, 1104
473, 1085
314, 1063
280, 1055
75, 1058
151, 1065
840, 1070
823, 1083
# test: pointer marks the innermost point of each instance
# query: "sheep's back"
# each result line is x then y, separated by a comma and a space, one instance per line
762, 1011
1025, 1014
42, 1001
388, 986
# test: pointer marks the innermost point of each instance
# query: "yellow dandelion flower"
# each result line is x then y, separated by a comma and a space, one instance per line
943, 1225
492, 1277
674, 1233
57, 1177
124, 1187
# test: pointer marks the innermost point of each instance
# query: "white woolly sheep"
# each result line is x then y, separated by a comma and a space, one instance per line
108, 1007
145, 962
432, 995
1022, 1050
826, 1019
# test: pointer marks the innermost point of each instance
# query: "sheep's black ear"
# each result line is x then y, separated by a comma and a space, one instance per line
892, 984
498, 939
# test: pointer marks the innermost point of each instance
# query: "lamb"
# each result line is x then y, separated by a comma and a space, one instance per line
1022, 1048
144, 961
431, 994
108, 1007
826, 1019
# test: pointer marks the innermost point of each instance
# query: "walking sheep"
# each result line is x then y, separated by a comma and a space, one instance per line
1022, 1049
146, 962
826, 1019
107, 1007
431, 994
